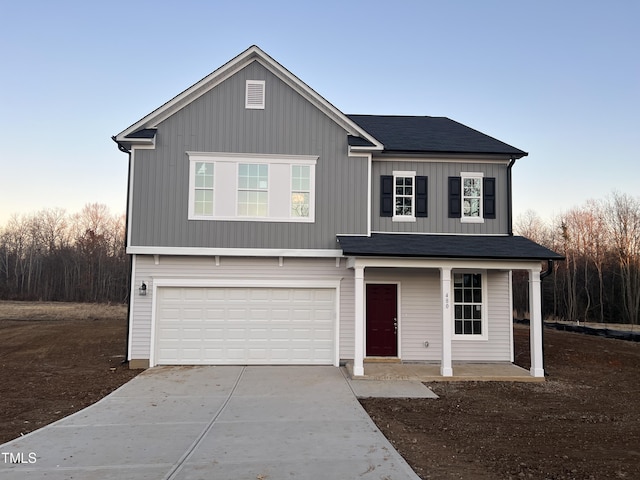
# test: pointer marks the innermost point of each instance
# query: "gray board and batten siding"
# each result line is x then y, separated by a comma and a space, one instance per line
438, 220
219, 122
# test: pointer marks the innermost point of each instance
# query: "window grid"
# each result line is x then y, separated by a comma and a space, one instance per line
472, 197
403, 194
253, 190
300, 190
203, 194
467, 293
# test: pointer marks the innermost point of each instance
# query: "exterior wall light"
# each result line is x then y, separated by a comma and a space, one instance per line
143, 289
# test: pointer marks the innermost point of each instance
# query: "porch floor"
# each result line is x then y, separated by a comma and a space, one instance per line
464, 372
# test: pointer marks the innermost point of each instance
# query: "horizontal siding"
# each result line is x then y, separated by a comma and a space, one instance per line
419, 311
420, 308
218, 122
497, 348
236, 268
437, 220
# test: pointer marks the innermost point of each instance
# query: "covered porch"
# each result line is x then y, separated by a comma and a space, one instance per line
449, 256
465, 372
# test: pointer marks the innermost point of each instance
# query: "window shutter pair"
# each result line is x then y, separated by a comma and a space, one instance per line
386, 196
488, 197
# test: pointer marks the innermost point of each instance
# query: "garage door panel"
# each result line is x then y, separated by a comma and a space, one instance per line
245, 326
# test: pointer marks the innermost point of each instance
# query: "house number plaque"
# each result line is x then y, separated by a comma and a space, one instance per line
446, 301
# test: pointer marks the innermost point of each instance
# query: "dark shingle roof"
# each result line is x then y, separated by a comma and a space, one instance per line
143, 133
445, 246
430, 134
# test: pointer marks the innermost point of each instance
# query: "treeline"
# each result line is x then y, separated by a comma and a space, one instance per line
54, 256
600, 279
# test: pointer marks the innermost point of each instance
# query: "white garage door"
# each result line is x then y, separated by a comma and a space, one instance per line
245, 326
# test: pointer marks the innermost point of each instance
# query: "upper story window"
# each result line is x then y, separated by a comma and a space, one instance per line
403, 196
468, 305
203, 189
251, 187
472, 197
300, 190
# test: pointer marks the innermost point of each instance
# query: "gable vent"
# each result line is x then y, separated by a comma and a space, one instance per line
255, 94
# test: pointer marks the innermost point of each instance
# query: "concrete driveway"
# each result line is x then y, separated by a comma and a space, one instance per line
231, 422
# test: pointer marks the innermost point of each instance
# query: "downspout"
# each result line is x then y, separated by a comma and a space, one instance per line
509, 197
123, 149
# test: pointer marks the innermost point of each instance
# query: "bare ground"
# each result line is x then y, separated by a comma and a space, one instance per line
55, 359
583, 423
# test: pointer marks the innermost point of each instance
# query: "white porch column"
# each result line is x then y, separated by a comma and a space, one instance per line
358, 357
535, 329
445, 289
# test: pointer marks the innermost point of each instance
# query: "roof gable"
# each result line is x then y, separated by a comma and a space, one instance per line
252, 54
415, 134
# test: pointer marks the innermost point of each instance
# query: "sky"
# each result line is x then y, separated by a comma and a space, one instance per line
557, 79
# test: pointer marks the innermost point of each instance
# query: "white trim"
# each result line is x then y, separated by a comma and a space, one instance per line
439, 263
254, 157
368, 156
511, 345
484, 307
227, 70
446, 369
433, 233
234, 252
220, 159
404, 218
234, 282
359, 323
535, 327
130, 195
444, 158
480, 217
245, 283
132, 305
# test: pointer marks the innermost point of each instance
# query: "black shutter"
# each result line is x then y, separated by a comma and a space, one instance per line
489, 197
455, 197
386, 195
421, 196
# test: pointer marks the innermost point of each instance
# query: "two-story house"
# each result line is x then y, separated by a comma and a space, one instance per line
267, 227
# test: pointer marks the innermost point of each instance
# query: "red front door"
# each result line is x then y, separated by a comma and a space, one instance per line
382, 323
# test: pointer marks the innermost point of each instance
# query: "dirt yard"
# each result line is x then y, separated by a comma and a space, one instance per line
55, 359
583, 423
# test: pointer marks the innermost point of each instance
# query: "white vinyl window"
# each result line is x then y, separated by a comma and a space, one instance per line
469, 305
202, 201
300, 190
404, 196
253, 189
472, 197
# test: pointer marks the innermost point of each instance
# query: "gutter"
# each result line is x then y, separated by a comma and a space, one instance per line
509, 197
123, 149
548, 271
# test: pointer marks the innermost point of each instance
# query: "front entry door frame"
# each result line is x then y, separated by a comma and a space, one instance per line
398, 315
